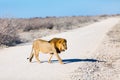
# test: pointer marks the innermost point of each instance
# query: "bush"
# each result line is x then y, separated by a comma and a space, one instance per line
8, 33
37, 27
12, 27
9, 40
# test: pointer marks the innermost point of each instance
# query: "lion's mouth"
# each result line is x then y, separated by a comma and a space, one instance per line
63, 50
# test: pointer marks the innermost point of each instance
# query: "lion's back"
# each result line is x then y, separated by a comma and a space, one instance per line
43, 46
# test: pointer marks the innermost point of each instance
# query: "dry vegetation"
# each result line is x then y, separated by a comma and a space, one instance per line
18, 30
8, 32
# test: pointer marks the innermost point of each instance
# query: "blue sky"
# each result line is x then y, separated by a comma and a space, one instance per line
43, 8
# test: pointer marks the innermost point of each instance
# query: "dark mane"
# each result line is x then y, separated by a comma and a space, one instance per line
57, 50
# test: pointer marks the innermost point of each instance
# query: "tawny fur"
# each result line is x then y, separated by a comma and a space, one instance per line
54, 46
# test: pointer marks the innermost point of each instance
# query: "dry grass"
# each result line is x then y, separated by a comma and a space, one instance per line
8, 33
13, 29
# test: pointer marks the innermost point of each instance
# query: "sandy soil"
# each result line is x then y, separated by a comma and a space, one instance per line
108, 55
78, 59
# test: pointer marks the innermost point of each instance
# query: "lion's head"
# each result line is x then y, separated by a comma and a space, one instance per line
60, 44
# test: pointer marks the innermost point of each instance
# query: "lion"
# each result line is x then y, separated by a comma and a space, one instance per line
54, 46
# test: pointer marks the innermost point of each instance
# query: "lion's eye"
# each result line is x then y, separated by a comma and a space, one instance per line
63, 44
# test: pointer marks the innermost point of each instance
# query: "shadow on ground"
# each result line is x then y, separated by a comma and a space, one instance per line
66, 61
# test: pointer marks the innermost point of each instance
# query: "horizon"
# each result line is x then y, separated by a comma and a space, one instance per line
53, 8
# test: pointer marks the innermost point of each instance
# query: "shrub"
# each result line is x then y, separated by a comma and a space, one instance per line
8, 33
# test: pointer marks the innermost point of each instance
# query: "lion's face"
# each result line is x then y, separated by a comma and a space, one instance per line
62, 45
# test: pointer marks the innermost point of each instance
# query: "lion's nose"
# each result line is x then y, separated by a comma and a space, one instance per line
66, 48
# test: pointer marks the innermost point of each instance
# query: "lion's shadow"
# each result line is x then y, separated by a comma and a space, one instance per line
66, 61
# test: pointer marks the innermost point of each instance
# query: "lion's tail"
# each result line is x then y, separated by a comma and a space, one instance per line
31, 55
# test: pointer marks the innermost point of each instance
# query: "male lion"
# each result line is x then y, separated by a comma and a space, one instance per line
54, 46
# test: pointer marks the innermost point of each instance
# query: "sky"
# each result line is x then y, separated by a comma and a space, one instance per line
43, 8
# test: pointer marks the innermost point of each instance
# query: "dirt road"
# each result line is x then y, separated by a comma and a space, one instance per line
81, 43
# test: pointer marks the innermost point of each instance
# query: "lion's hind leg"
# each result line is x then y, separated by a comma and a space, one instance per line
37, 55
49, 61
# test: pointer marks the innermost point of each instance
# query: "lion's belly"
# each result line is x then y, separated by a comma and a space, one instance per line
46, 48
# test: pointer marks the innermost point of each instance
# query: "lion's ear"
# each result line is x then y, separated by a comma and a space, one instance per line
59, 41
65, 40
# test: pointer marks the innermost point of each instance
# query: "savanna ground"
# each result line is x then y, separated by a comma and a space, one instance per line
14, 31
108, 53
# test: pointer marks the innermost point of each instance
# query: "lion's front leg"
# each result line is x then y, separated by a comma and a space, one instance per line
58, 57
